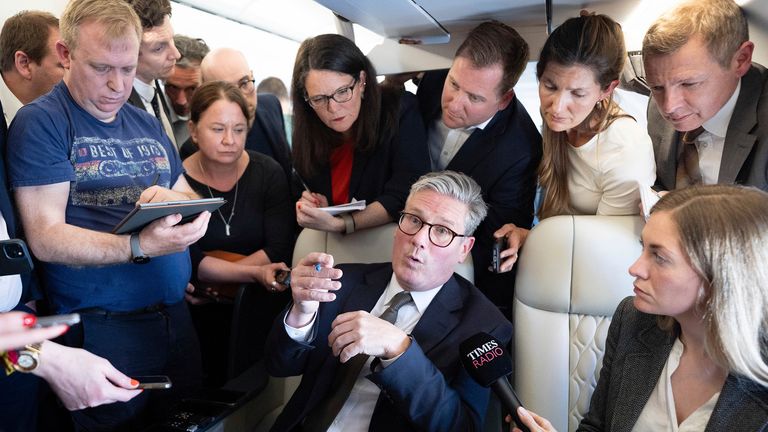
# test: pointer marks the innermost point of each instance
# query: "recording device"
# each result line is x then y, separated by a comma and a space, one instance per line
487, 363
14, 257
498, 245
151, 382
50, 321
283, 277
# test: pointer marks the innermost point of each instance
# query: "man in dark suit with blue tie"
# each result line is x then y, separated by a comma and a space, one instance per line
477, 126
378, 348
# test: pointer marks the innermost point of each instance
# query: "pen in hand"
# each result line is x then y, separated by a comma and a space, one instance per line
301, 180
155, 180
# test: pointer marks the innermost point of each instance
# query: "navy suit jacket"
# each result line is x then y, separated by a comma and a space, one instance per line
502, 159
745, 152
6, 208
426, 388
635, 353
31, 290
267, 135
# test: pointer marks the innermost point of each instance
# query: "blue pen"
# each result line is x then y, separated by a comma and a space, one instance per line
318, 266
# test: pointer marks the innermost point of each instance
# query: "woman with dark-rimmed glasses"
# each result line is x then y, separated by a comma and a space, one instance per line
351, 137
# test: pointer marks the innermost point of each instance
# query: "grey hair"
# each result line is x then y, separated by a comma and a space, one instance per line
192, 51
460, 187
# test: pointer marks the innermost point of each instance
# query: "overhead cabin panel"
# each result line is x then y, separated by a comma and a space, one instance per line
394, 19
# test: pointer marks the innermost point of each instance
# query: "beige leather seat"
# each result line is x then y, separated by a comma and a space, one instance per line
572, 275
371, 245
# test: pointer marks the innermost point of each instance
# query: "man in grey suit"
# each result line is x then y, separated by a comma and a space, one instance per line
707, 93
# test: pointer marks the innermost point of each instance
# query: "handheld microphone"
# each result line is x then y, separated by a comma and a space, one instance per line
487, 363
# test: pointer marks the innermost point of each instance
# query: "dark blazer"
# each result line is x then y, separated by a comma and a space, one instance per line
426, 388
267, 135
6, 208
31, 289
385, 174
135, 100
635, 353
745, 153
502, 159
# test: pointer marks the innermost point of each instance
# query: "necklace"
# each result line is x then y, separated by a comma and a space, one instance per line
234, 201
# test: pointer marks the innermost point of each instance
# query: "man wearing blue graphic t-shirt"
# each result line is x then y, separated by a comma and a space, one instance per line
79, 160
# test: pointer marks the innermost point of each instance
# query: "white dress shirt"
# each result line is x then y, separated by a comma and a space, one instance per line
147, 93
444, 142
711, 142
11, 104
659, 413
355, 415
10, 286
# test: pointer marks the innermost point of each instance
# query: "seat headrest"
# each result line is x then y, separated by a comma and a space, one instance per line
578, 264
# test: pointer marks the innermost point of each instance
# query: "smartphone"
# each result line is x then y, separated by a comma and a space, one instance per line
498, 245
14, 257
283, 277
50, 321
153, 382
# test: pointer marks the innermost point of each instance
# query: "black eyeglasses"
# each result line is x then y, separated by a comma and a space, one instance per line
341, 95
439, 235
246, 85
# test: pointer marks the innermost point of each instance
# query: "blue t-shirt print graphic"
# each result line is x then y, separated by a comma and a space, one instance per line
115, 171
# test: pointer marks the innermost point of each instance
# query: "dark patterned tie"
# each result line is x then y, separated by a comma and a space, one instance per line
160, 114
688, 171
321, 417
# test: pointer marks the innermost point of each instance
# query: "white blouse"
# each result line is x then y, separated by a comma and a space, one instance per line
659, 413
603, 174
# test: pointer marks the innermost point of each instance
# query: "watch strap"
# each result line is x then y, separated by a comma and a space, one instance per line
349, 223
137, 255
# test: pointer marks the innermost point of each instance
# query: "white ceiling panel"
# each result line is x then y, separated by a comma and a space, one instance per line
292, 19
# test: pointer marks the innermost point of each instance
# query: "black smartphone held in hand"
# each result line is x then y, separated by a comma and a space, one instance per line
14, 257
50, 321
498, 245
153, 382
283, 277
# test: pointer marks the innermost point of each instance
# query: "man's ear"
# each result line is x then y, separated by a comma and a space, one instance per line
742, 60
466, 247
64, 54
506, 98
21, 61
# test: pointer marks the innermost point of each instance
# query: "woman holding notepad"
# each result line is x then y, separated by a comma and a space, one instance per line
250, 238
352, 139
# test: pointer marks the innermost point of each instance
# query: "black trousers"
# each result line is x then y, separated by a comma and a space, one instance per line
161, 341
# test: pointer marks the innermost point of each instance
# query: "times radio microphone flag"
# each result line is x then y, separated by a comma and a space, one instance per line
487, 363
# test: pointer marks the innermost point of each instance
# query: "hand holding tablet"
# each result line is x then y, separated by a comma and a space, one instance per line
144, 213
